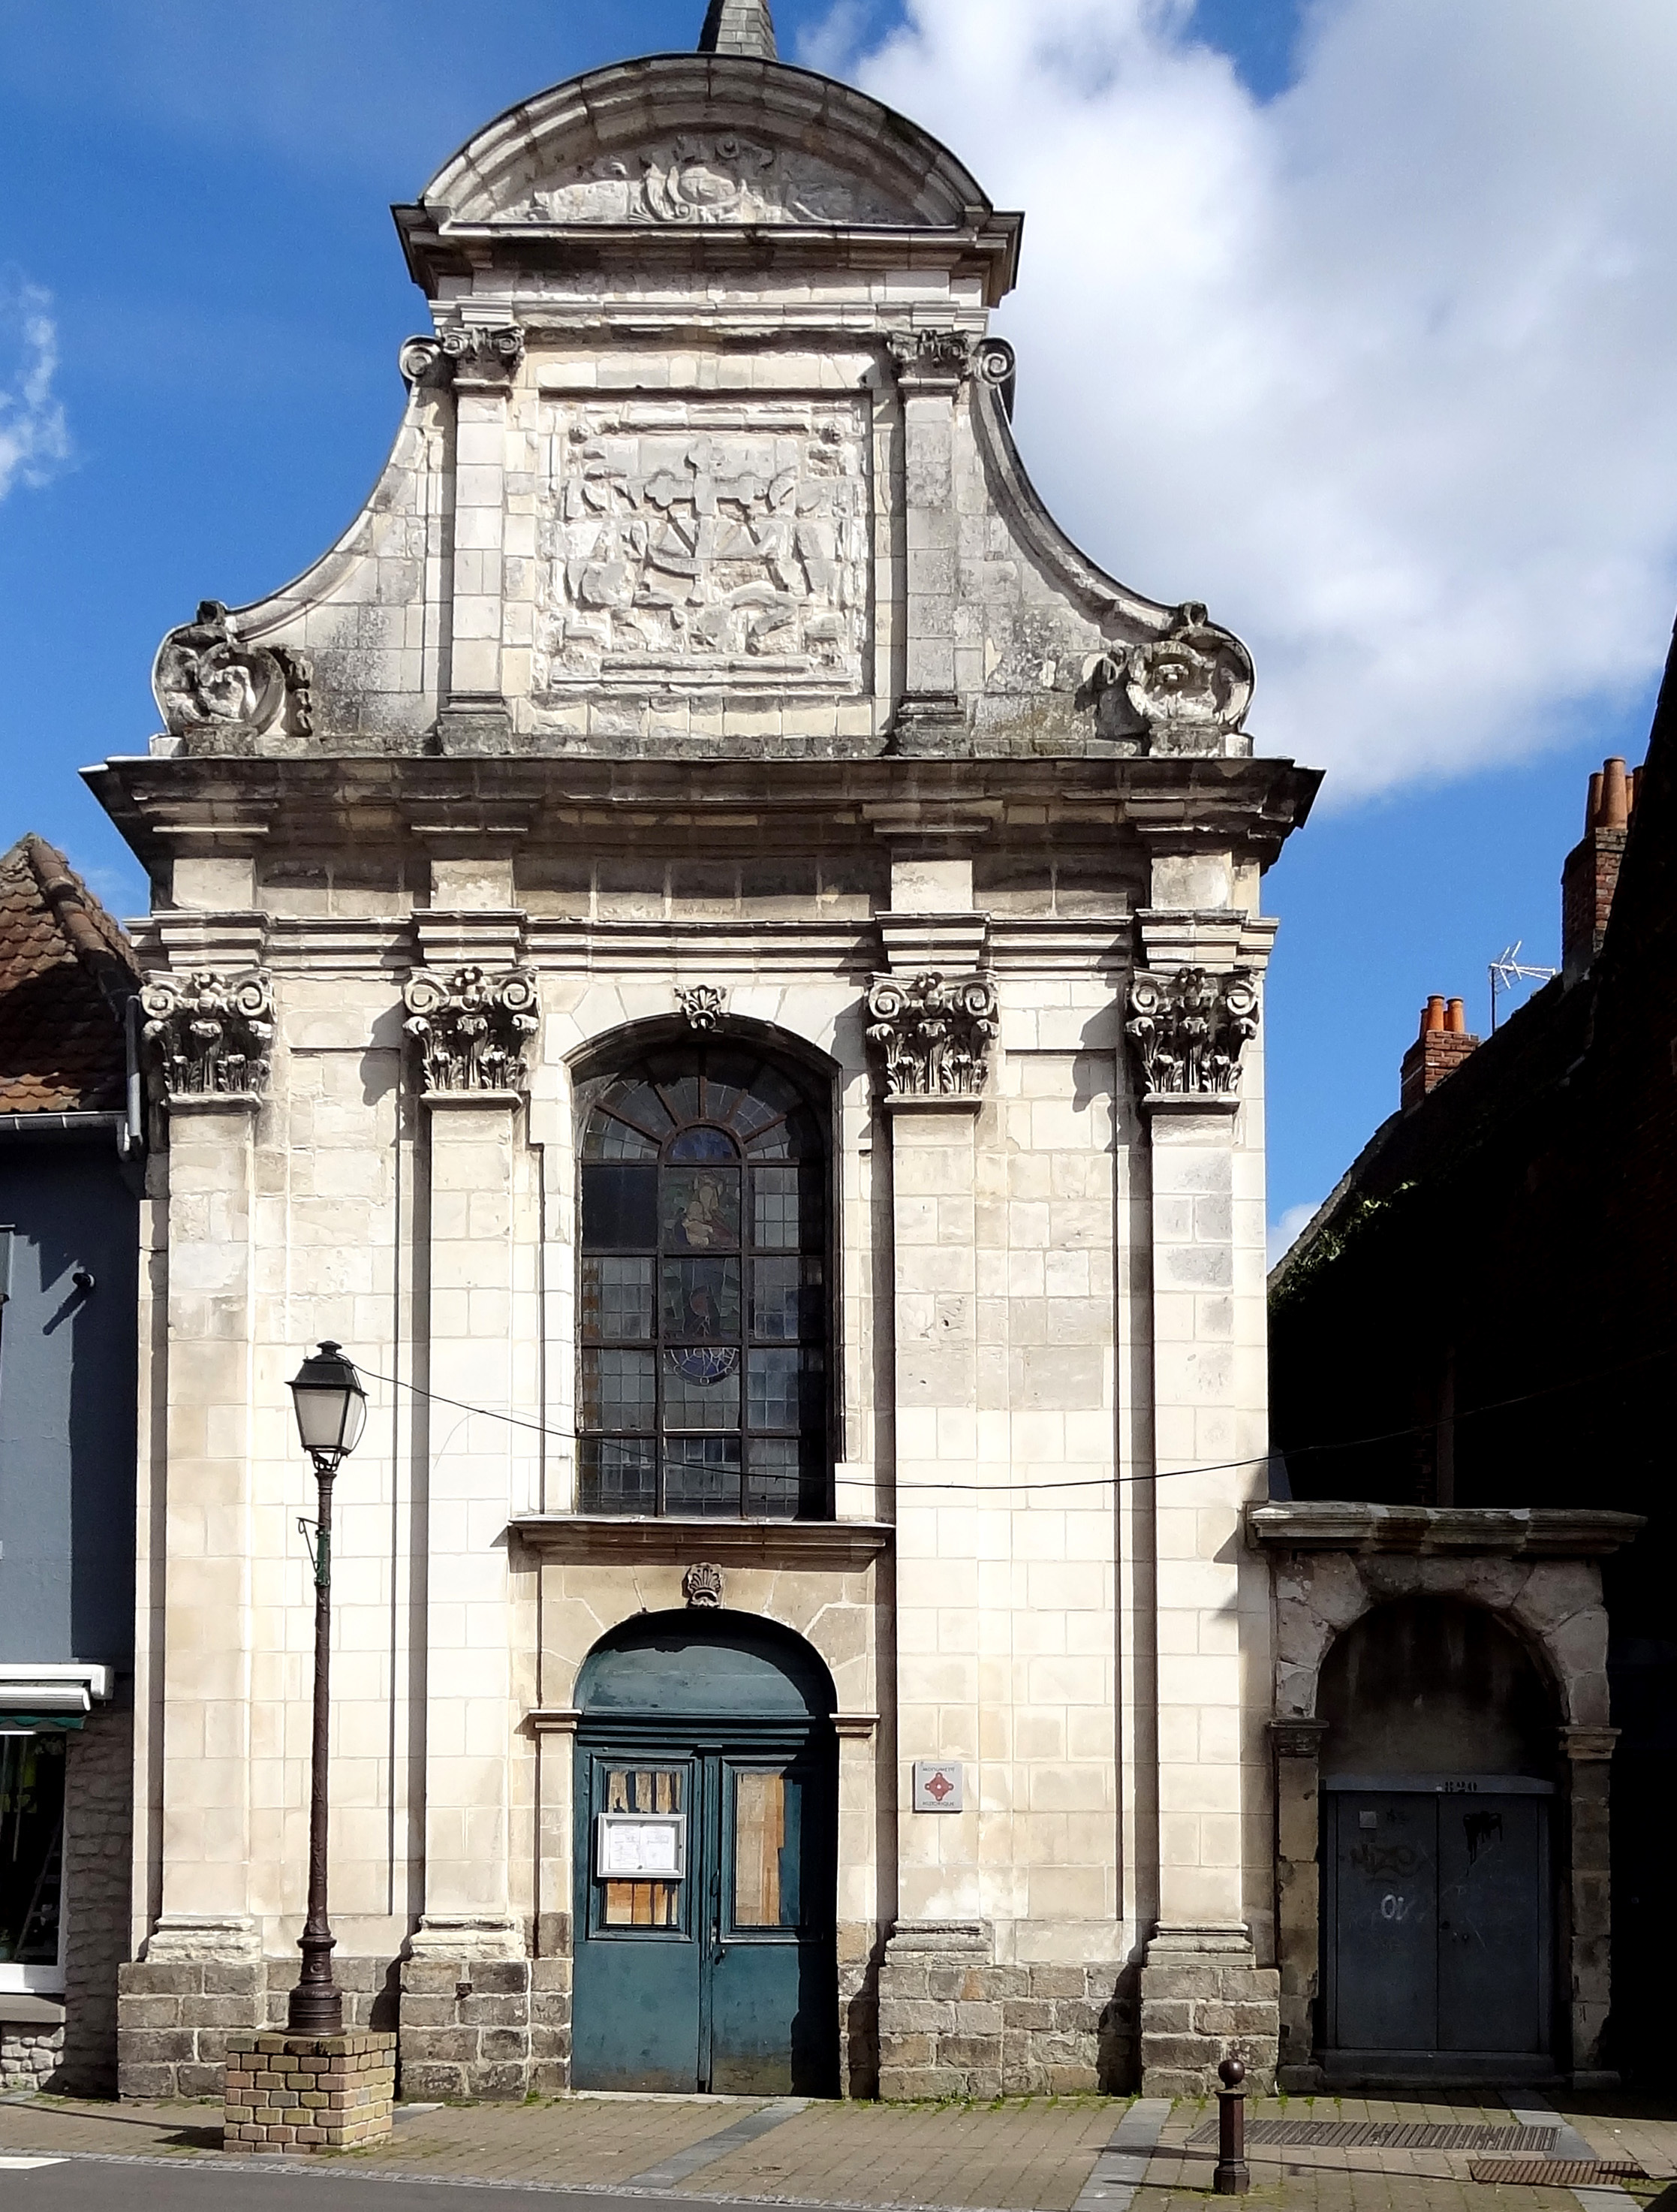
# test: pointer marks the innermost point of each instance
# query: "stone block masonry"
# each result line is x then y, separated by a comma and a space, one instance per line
1203, 1998
955, 2022
178, 2017
485, 2028
29, 2057
305, 2092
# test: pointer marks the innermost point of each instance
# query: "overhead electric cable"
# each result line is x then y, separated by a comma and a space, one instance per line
1096, 1481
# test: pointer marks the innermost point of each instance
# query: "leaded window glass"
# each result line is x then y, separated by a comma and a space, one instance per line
702, 1295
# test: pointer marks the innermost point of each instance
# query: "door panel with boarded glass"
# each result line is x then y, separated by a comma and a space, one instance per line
638, 1958
773, 1988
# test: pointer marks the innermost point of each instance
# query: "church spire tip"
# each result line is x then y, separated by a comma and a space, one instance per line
743, 28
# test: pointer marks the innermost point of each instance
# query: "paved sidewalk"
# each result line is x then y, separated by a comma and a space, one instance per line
1042, 2154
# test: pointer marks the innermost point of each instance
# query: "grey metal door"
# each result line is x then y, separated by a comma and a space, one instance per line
1435, 1921
1384, 1979
1491, 1877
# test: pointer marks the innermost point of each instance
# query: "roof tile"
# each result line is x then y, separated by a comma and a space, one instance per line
65, 969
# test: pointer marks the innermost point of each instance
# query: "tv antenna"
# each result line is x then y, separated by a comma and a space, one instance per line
1509, 972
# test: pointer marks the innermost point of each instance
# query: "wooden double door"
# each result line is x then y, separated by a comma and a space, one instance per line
706, 1899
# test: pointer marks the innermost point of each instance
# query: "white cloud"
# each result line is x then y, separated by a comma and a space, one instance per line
34, 437
1286, 1233
1381, 368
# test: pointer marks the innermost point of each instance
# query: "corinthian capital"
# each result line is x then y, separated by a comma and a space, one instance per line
932, 1035
1189, 1030
472, 1027
208, 1036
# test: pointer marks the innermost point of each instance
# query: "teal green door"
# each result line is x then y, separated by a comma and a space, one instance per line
706, 1850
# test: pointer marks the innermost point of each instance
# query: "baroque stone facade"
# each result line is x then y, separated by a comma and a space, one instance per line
719, 766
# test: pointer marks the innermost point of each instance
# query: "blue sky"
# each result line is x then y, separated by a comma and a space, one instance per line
196, 216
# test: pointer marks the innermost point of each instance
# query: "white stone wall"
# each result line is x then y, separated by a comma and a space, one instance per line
1062, 1297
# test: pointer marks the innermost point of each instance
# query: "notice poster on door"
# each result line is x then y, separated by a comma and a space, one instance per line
631, 1843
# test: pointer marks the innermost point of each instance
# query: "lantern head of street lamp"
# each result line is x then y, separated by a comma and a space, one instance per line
331, 1406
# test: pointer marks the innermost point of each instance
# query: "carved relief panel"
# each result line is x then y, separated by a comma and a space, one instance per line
701, 541
708, 177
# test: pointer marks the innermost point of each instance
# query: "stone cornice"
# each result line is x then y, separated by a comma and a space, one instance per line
846, 1545
313, 805
437, 251
735, 950
1488, 1531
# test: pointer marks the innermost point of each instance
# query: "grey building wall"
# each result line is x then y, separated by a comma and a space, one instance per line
68, 1383
67, 1362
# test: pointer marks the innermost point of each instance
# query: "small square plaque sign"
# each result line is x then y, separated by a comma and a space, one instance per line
937, 1786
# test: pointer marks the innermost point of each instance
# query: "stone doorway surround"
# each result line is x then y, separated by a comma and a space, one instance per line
1536, 1570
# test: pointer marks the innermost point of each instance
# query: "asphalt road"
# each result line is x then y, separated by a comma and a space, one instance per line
29, 2183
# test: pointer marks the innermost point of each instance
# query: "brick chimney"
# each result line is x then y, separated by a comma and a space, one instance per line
1438, 1051
1591, 876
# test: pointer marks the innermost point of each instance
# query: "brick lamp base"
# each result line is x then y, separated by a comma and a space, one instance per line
307, 2093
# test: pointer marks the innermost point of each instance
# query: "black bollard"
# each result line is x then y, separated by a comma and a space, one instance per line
1231, 2177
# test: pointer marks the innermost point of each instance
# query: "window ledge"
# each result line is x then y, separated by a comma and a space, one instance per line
51, 1688
851, 1543
19, 2008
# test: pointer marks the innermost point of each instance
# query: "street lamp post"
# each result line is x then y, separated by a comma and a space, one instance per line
332, 1411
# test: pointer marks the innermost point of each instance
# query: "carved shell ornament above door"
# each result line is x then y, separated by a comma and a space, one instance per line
701, 1585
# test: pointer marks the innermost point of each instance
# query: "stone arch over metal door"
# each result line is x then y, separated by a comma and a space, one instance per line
706, 1820
1439, 1906
1537, 1571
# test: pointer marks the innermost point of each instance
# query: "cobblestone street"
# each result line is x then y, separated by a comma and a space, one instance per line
1022, 2156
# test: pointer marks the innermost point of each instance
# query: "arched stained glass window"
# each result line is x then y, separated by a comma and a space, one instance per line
703, 1291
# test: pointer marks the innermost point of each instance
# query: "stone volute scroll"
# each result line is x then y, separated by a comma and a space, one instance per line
209, 1037
932, 1035
473, 1030
1188, 1032
421, 360
209, 681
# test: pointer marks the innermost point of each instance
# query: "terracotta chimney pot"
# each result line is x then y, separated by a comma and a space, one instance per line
1438, 1051
1591, 876
1615, 797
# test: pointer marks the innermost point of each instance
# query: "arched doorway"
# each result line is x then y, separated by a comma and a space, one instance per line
1439, 1902
706, 1853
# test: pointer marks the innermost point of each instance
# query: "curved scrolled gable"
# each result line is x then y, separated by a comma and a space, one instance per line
900, 176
